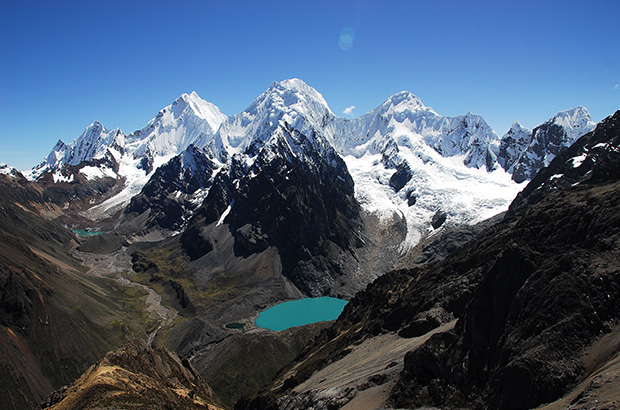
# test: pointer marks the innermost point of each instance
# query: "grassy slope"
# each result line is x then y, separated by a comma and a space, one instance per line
55, 321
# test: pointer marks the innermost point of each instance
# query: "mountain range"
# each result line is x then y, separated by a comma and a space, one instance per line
204, 220
398, 154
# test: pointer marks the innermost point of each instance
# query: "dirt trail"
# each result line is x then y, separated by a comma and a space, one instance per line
112, 266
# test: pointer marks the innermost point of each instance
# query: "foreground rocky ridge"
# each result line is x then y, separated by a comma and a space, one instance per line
535, 298
136, 376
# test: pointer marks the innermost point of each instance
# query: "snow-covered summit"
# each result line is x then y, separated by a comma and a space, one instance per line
403, 120
575, 121
523, 152
188, 120
403, 101
96, 142
290, 102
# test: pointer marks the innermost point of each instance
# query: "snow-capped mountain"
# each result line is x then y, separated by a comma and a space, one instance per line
406, 161
409, 161
131, 159
188, 120
289, 192
290, 102
399, 155
98, 148
524, 152
403, 120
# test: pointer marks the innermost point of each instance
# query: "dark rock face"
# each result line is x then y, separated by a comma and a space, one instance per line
512, 145
298, 197
548, 139
411, 199
400, 178
438, 219
166, 193
543, 299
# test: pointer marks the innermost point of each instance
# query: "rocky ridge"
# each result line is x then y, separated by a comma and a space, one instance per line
135, 375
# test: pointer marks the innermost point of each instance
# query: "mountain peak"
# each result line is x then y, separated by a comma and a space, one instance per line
293, 84
405, 101
94, 128
576, 121
195, 105
185, 97
517, 127
293, 93
577, 114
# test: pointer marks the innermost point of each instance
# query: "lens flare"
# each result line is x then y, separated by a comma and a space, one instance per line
347, 35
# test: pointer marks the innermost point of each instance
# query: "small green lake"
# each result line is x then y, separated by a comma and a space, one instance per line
84, 232
300, 312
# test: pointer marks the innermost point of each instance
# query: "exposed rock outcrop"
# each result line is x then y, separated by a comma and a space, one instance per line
135, 375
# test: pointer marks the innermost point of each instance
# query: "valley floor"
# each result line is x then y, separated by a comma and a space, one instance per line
115, 265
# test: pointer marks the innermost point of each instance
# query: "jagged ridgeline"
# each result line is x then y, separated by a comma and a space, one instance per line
205, 220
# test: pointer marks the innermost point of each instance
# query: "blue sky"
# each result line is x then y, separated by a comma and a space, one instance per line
64, 64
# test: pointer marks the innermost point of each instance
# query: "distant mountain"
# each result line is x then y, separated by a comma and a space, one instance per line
97, 148
403, 121
523, 152
131, 159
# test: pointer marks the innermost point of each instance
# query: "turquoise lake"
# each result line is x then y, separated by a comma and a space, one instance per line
84, 232
300, 312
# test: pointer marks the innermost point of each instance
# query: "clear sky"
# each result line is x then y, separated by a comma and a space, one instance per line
64, 64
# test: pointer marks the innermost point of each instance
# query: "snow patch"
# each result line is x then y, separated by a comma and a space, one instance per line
225, 214
6, 170
578, 160
58, 177
91, 172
